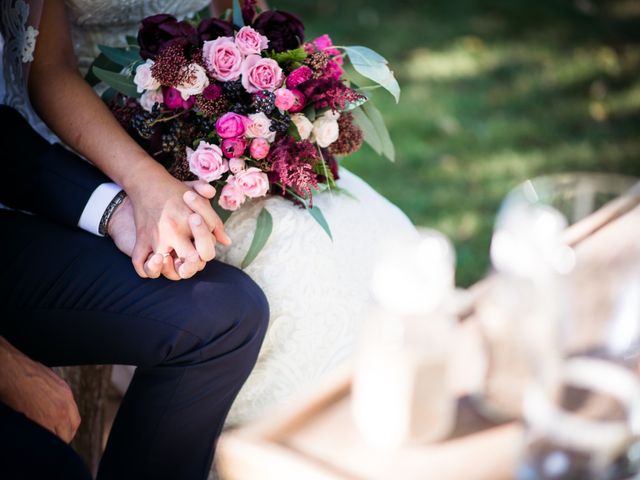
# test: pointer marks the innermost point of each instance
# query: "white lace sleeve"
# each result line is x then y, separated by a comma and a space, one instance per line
19, 20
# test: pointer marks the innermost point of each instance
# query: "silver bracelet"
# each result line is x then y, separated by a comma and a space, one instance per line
111, 208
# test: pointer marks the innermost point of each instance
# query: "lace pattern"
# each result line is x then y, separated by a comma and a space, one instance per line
19, 20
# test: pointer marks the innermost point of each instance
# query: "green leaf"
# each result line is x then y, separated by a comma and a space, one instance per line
108, 95
202, 15
374, 67
101, 61
264, 227
294, 132
317, 215
351, 105
237, 14
132, 41
310, 113
117, 81
383, 134
289, 56
368, 129
121, 56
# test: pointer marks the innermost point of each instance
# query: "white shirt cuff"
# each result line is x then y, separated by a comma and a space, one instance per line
95, 207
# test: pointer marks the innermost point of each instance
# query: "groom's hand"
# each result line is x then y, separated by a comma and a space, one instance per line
122, 230
34, 390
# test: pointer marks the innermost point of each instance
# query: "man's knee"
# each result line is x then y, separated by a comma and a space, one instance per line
223, 310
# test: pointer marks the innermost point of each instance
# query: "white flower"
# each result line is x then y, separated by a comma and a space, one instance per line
144, 79
303, 124
259, 127
195, 83
149, 98
325, 130
29, 44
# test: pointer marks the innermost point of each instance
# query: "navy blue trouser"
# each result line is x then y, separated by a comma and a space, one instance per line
71, 298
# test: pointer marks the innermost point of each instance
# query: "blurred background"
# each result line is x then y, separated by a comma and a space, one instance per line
493, 92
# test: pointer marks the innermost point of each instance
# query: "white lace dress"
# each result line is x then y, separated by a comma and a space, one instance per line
317, 289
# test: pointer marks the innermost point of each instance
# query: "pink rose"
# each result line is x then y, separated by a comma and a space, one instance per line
259, 126
143, 79
260, 74
206, 162
259, 148
236, 165
231, 196
298, 76
285, 99
249, 41
299, 102
173, 99
233, 147
253, 182
231, 125
223, 58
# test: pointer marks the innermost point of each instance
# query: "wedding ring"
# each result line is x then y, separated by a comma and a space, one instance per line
164, 255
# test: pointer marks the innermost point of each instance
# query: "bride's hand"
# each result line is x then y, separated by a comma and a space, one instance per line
122, 229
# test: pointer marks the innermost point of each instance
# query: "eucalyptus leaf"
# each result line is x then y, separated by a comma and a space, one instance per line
117, 81
351, 105
368, 129
222, 213
383, 134
375, 67
310, 113
121, 56
264, 227
108, 95
101, 61
237, 14
318, 216
201, 15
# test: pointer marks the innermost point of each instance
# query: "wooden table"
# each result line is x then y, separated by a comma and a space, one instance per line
318, 440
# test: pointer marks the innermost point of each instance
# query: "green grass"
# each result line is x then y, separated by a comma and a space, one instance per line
494, 92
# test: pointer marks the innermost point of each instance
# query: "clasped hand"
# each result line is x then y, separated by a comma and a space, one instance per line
173, 218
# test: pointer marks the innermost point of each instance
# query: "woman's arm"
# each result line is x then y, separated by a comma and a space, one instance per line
77, 115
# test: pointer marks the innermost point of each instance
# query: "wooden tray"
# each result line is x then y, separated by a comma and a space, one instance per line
317, 440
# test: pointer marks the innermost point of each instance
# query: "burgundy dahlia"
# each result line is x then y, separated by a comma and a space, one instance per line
212, 28
159, 30
284, 30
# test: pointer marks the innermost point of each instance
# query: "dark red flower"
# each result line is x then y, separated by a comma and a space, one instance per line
212, 28
249, 11
284, 30
159, 30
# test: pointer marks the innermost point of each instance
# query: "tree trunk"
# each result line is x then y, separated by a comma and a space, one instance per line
90, 385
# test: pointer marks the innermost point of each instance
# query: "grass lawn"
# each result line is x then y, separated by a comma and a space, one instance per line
494, 92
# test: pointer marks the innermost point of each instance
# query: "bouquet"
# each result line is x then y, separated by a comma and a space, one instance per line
244, 103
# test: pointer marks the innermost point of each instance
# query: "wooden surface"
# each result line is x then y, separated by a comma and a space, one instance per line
318, 439
90, 384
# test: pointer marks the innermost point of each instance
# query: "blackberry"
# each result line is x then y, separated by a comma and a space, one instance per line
264, 102
280, 122
170, 143
234, 91
204, 124
239, 108
141, 122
